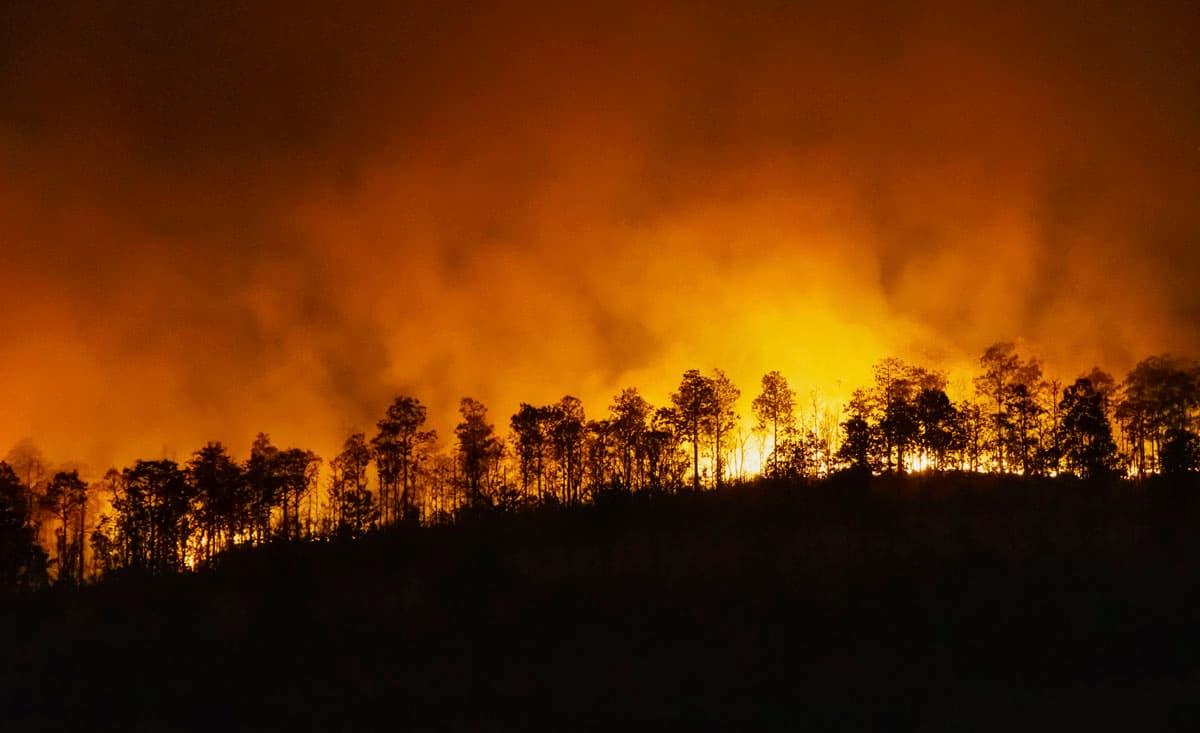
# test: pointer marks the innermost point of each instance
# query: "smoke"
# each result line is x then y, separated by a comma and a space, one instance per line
217, 220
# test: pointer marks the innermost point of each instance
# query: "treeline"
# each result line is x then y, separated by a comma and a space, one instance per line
162, 517
1021, 421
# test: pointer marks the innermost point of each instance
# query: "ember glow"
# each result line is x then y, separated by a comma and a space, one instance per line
217, 219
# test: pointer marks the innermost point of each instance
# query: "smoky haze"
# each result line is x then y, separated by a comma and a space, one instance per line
217, 218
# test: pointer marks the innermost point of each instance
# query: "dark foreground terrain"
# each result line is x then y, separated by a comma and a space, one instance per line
962, 603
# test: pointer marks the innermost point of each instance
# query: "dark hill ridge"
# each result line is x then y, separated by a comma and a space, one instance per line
963, 601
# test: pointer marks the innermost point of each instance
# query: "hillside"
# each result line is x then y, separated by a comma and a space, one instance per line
958, 601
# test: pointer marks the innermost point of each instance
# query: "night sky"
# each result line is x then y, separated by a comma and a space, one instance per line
219, 218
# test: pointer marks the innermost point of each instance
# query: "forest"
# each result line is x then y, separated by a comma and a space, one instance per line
1028, 551
735, 364
159, 517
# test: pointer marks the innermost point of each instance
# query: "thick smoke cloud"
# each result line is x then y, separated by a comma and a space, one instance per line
219, 218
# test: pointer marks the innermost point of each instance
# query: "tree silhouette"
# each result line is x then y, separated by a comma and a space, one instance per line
1049, 456
296, 475
66, 499
567, 423
477, 448
695, 402
600, 456
898, 387
859, 438
798, 456
354, 504
30, 466
1180, 454
629, 415
1020, 428
530, 431
774, 410
105, 549
1002, 369
1084, 434
723, 420
107, 554
897, 426
972, 438
224, 498
939, 428
154, 516
1158, 396
262, 480
22, 561
164, 519
666, 464
400, 447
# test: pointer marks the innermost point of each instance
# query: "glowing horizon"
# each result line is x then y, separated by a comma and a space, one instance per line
517, 206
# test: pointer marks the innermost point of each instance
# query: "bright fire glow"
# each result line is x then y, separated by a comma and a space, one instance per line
573, 208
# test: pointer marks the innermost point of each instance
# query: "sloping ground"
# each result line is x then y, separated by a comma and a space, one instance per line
960, 602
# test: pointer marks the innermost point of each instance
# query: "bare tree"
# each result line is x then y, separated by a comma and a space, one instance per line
724, 420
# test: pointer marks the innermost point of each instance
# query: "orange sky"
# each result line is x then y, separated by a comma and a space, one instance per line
217, 220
